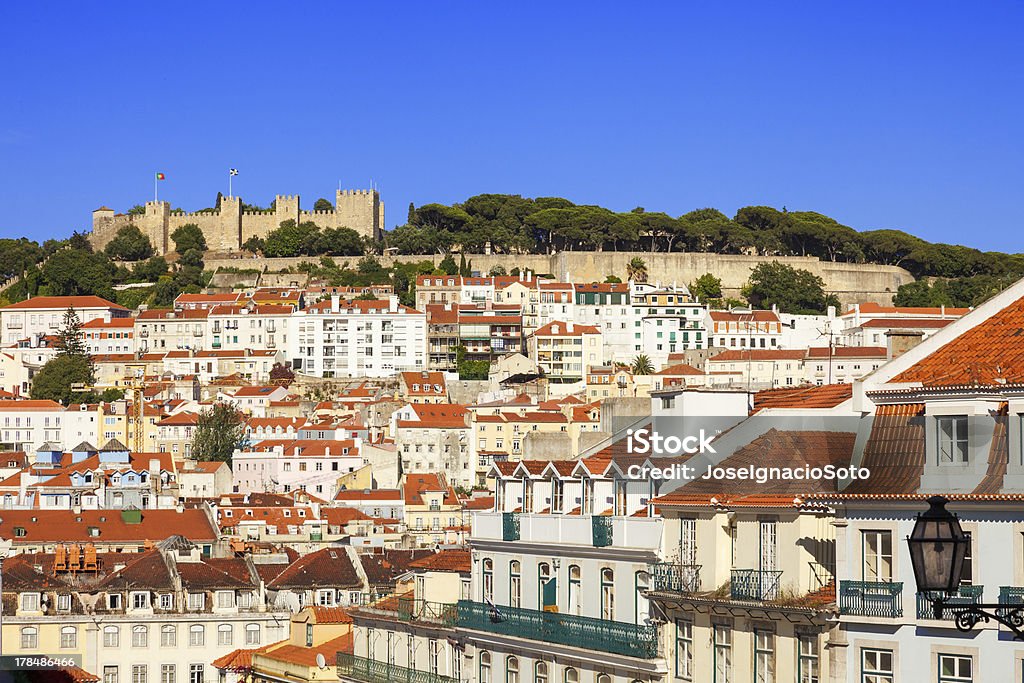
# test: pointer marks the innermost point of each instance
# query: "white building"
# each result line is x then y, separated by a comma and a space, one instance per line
43, 315
109, 335
359, 338
310, 465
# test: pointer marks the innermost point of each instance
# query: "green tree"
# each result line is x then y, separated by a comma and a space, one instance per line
792, 290
339, 242
17, 256
706, 288
323, 205
188, 236
129, 244
220, 430
151, 270
447, 266
292, 239
613, 279
636, 270
73, 272
497, 271
137, 210
70, 341
59, 378
642, 365
254, 245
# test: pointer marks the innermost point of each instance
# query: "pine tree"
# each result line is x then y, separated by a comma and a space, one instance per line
70, 336
412, 214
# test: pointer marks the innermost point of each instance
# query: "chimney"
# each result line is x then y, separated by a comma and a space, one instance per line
335, 303
898, 342
393, 304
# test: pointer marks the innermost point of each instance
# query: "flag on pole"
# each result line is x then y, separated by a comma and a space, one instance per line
232, 171
161, 176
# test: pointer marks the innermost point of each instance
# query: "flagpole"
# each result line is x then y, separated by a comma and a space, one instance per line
229, 182
156, 178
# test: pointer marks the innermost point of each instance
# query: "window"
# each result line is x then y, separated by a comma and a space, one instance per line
196, 635
722, 653
764, 656
574, 589
955, 669
225, 599
604, 678
488, 574
64, 602
252, 634
140, 636
68, 637
641, 609
876, 666
540, 672
166, 601
571, 675
225, 634
111, 636
140, 673
877, 555
168, 635
967, 572
515, 584
511, 669
608, 594
110, 674
485, 666
29, 638
684, 649
807, 659
952, 439
166, 673
195, 673
325, 598
30, 602
196, 601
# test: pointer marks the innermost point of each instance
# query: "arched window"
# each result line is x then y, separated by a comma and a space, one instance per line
485, 666
488, 580
641, 608
607, 594
540, 672
574, 589
604, 678
225, 634
543, 576
168, 635
140, 636
68, 637
252, 634
111, 636
29, 638
196, 635
511, 669
571, 675
515, 583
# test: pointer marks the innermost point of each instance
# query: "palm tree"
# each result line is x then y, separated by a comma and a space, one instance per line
642, 365
636, 270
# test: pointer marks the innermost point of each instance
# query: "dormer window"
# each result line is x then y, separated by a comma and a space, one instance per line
952, 439
113, 601
30, 602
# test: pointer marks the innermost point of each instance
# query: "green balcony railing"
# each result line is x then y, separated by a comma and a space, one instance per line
630, 640
871, 599
675, 578
509, 526
372, 671
967, 595
1011, 596
411, 609
754, 584
602, 531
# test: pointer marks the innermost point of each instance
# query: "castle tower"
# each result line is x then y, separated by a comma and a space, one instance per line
229, 236
361, 210
286, 207
154, 225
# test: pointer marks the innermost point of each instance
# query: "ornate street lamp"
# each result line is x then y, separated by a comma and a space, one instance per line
938, 546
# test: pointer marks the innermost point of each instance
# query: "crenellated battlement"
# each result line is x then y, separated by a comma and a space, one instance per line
229, 227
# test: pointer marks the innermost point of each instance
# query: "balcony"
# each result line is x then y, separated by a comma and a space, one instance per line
215, 344
641, 533
372, 671
413, 609
967, 595
754, 584
871, 599
602, 531
669, 577
630, 640
509, 526
1010, 595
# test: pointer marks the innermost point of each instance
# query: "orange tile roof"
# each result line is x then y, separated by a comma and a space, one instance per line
445, 561
563, 330
63, 303
64, 525
759, 354
909, 323
825, 396
753, 316
239, 660
680, 369
872, 307
331, 615
113, 322
989, 353
848, 352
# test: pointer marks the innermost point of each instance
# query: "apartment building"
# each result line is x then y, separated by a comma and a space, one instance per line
358, 338
757, 368
311, 465
435, 438
250, 326
109, 335
744, 329
842, 364
609, 307
563, 351
40, 316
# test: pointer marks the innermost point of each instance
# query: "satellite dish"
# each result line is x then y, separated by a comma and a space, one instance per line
321, 662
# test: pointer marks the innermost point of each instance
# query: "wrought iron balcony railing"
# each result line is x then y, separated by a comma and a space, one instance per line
967, 595
675, 578
871, 598
372, 671
630, 640
1011, 596
602, 531
509, 526
754, 584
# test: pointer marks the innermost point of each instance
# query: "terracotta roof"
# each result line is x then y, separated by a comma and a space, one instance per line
558, 328
63, 303
479, 503
306, 656
326, 567
989, 353
205, 575
824, 396
871, 307
907, 323
148, 570
68, 526
894, 451
752, 316
385, 567
848, 352
445, 561
369, 494
330, 615
239, 660
680, 369
417, 484
758, 355
100, 323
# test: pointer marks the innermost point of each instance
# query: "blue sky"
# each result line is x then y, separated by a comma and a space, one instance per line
902, 115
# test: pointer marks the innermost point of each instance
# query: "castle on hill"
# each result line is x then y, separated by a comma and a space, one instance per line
228, 228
